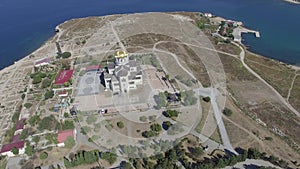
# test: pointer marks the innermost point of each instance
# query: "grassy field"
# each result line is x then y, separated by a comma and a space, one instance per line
294, 98
234, 69
205, 109
216, 136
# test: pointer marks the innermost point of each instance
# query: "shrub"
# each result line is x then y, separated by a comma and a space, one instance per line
23, 96
108, 156
36, 80
161, 100
152, 118
143, 118
120, 124
68, 125
166, 125
66, 55
27, 105
48, 123
227, 111
69, 142
171, 113
46, 83
156, 127
15, 151
206, 99
43, 155
49, 94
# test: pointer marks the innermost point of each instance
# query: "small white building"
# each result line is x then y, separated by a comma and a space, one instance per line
42, 62
209, 15
123, 75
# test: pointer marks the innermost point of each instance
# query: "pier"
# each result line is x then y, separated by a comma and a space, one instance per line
237, 33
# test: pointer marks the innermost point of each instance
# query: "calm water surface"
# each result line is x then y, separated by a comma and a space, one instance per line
25, 25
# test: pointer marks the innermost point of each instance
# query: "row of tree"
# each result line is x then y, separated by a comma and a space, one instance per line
89, 157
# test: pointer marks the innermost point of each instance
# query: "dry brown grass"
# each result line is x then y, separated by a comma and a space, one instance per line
205, 109
184, 52
295, 96
192, 60
234, 69
277, 74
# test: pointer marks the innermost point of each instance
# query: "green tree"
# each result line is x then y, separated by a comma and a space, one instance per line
29, 150
49, 94
37, 80
27, 105
23, 96
68, 125
69, 142
206, 99
143, 118
152, 118
43, 155
90, 157
166, 125
108, 156
197, 151
161, 100
253, 153
156, 127
126, 165
24, 134
67, 163
34, 120
66, 55
67, 84
227, 111
188, 98
15, 151
66, 115
171, 113
120, 124
46, 83
48, 123
36, 139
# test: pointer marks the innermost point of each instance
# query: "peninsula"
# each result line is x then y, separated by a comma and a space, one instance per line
149, 90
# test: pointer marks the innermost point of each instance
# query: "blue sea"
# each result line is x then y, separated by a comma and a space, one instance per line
26, 24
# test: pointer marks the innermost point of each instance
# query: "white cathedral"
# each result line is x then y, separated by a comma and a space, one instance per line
123, 75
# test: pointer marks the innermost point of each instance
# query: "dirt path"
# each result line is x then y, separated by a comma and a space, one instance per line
283, 100
291, 88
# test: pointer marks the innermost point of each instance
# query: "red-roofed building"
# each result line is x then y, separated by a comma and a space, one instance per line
16, 138
20, 125
63, 135
6, 148
93, 68
63, 76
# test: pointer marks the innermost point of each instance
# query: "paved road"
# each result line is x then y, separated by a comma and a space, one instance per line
218, 115
253, 163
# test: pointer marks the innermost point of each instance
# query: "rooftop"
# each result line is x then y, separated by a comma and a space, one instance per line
121, 54
44, 60
93, 67
64, 134
20, 124
63, 77
9, 147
